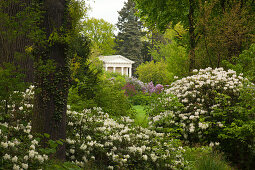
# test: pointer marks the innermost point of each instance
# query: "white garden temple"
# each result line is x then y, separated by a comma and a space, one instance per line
117, 63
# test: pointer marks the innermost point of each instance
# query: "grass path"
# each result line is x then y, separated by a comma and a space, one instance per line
141, 117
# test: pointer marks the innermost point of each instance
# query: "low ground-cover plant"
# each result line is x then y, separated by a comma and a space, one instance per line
199, 158
218, 109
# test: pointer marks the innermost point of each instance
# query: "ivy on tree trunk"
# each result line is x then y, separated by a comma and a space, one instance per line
52, 74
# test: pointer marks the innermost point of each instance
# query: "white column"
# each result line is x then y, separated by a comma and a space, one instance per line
130, 71
114, 68
122, 71
106, 68
127, 71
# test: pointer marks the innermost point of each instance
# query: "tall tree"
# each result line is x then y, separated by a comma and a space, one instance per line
128, 40
224, 35
52, 75
101, 34
171, 51
159, 14
45, 29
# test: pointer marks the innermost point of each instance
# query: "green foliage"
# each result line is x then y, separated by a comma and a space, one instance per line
156, 72
160, 14
118, 79
169, 50
224, 33
245, 63
101, 34
217, 29
204, 158
140, 98
106, 92
11, 87
239, 127
162, 103
113, 100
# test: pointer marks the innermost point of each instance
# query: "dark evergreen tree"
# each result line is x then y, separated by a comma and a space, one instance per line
128, 40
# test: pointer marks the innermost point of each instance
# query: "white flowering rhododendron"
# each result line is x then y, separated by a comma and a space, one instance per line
19, 148
198, 94
93, 135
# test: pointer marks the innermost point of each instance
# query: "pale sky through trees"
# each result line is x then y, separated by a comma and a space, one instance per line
106, 9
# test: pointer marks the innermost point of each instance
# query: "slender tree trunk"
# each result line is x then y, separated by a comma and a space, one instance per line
191, 35
52, 84
14, 38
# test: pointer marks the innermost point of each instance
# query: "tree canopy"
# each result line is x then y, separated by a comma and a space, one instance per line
101, 34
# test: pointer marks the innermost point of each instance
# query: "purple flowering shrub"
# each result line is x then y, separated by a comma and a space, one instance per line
141, 93
129, 89
150, 88
138, 84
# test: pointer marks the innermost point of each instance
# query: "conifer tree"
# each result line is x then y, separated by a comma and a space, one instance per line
128, 40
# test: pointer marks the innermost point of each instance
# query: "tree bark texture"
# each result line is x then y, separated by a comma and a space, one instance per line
52, 86
13, 37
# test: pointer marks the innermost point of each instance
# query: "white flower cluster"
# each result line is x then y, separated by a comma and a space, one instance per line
118, 143
16, 154
19, 147
91, 136
197, 93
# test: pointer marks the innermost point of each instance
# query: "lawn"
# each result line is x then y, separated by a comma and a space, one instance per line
141, 117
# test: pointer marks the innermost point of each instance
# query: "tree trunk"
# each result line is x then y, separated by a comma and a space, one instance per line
191, 35
14, 37
52, 83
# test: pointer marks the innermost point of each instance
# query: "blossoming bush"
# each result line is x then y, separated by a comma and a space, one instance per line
19, 149
94, 136
214, 112
141, 93
138, 84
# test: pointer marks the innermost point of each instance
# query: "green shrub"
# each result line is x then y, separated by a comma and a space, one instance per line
112, 100
140, 99
155, 72
245, 63
11, 87
237, 138
118, 79
106, 93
